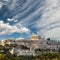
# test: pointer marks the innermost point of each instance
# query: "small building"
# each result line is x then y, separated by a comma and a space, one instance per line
20, 52
7, 41
26, 53
13, 51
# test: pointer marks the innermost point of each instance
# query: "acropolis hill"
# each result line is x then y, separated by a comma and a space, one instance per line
35, 42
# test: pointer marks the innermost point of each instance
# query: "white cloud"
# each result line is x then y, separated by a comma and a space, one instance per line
20, 38
8, 29
31, 16
15, 20
24, 29
1, 4
10, 19
7, 23
49, 23
5, 0
53, 33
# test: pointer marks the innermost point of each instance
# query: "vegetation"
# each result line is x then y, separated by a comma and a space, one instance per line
49, 56
45, 56
5, 55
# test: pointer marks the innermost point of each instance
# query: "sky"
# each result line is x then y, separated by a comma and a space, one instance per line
22, 18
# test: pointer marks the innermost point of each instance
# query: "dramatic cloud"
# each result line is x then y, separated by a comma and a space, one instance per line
8, 29
49, 24
41, 16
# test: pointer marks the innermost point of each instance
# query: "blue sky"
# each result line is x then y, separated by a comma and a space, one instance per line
21, 18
